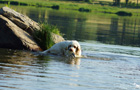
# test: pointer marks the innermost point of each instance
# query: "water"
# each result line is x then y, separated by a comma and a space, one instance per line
99, 69
111, 60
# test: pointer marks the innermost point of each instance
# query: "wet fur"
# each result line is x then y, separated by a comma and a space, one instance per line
65, 48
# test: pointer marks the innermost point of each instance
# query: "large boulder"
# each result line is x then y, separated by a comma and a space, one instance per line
57, 38
16, 31
13, 37
20, 20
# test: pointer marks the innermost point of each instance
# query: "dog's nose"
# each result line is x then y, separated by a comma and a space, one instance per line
70, 50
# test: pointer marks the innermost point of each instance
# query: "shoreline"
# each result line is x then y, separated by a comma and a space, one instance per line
77, 6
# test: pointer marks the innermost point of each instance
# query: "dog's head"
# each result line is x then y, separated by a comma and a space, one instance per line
74, 48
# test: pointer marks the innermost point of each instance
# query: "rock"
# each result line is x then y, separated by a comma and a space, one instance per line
16, 31
13, 37
20, 20
56, 38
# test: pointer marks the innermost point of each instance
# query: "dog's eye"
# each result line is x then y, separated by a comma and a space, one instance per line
74, 46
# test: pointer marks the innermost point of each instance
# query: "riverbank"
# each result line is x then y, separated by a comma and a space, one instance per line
79, 6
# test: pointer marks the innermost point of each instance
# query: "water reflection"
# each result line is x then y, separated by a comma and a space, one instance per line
15, 57
123, 31
72, 61
69, 23
86, 26
21, 64
13, 62
67, 60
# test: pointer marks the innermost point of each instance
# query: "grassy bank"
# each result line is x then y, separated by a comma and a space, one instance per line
80, 6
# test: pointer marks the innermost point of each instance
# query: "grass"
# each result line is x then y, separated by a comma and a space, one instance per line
44, 36
101, 7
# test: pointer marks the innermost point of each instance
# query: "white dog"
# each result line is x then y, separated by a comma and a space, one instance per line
66, 48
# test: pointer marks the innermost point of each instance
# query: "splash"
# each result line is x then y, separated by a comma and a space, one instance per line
136, 85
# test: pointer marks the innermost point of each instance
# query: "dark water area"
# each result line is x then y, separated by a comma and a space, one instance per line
110, 49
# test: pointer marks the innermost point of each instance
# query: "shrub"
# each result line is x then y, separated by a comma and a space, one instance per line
89, 1
55, 7
44, 36
84, 10
123, 13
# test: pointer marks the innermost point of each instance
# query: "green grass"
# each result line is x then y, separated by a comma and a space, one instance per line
69, 5
44, 36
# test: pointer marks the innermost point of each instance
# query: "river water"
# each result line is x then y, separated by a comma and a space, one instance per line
110, 49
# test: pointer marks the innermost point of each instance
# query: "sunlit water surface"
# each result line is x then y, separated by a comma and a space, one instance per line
103, 67
111, 66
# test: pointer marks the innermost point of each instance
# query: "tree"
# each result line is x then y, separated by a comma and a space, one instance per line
137, 2
126, 2
116, 2
89, 1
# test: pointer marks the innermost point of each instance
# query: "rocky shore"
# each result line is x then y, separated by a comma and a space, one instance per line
16, 31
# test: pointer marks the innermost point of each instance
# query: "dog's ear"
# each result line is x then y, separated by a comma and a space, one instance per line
78, 51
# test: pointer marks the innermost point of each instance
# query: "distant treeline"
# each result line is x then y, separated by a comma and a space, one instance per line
127, 3
76, 0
